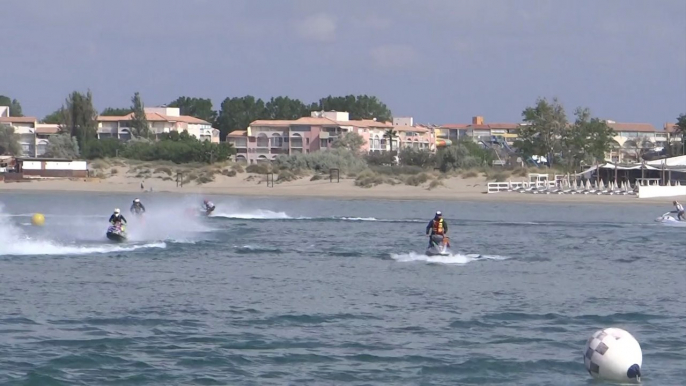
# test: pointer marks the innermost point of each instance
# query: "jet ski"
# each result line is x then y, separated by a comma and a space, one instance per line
439, 246
116, 233
668, 218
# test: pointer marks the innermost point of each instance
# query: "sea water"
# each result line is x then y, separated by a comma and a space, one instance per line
323, 292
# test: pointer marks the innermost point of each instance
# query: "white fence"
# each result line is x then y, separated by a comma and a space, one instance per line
495, 187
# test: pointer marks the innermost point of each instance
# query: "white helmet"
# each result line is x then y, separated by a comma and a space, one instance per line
438, 213
137, 200
116, 211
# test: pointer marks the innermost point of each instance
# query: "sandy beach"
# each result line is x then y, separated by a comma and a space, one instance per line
244, 184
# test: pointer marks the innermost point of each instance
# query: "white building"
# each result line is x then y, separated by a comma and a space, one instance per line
161, 120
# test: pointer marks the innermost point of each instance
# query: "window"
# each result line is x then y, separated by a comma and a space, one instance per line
262, 140
276, 140
323, 143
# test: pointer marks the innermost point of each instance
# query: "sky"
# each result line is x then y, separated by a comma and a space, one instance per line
439, 61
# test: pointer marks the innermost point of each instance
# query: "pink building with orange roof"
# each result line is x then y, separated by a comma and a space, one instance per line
264, 140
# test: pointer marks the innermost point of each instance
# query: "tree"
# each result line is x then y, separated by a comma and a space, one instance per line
139, 122
78, 117
588, 138
359, 107
416, 157
285, 108
13, 104
56, 117
62, 146
116, 112
200, 108
9, 141
351, 141
390, 135
238, 113
544, 127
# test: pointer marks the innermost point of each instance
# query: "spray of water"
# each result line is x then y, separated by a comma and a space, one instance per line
456, 259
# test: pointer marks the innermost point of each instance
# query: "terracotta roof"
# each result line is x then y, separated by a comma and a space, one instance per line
18, 120
110, 118
237, 133
266, 122
47, 129
454, 126
670, 127
632, 127
154, 117
416, 129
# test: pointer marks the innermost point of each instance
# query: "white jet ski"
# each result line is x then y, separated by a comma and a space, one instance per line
668, 218
439, 246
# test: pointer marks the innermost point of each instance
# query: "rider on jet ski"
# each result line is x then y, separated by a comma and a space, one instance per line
437, 226
207, 206
679, 211
117, 217
137, 207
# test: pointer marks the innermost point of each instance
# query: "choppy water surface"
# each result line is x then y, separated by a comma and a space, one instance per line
277, 291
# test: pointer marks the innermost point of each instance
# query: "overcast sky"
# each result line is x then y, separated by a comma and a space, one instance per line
441, 61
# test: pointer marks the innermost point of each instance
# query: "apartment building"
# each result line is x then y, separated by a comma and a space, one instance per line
33, 136
264, 140
162, 120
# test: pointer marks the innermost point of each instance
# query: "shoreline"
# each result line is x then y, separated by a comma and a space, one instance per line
456, 190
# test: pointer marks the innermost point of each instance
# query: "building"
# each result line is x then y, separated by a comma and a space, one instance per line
162, 120
264, 140
33, 136
478, 130
48, 167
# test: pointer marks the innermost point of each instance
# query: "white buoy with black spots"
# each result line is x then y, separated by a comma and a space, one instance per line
613, 354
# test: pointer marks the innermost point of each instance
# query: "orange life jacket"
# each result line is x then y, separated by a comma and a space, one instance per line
438, 227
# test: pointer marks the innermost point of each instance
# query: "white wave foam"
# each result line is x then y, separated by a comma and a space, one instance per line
35, 247
257, 214
457, 259
358, 218
16, 241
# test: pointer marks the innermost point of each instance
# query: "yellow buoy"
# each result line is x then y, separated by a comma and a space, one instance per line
38, 219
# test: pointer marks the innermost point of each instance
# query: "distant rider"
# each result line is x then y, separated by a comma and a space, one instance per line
137, 207
437, 226
117, 218
207, 206
679, 211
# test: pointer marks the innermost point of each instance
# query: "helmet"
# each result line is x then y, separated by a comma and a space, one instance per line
438, 213
137, 200
116, 211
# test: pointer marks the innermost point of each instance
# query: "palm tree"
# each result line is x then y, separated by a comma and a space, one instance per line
391, 134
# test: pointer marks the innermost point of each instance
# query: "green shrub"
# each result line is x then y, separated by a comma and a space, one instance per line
368, 178
286, 175
396, 170
114, 171
237, 168
259, 168
417, 180
229, 173
322, 161
316, 177
419, 158
434, 184
379, 159
164, 170
470, 174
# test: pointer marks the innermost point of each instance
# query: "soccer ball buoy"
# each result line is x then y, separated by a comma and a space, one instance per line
612, 354
38, 219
